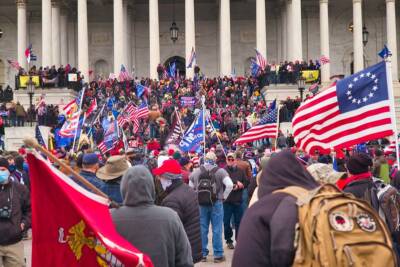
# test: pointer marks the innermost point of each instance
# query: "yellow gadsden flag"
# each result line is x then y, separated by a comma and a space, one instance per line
23, 81
310, 75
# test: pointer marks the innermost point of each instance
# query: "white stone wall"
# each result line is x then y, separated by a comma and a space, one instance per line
243, 35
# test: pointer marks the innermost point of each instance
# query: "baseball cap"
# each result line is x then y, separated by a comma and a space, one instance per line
168, 166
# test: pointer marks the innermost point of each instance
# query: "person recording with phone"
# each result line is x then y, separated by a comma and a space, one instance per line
15, 218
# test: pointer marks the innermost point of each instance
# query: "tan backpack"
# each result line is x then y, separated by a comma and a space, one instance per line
336, 229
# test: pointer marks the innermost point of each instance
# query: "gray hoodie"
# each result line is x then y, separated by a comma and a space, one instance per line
156, 231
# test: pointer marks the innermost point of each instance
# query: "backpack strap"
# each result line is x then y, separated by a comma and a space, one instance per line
302, 195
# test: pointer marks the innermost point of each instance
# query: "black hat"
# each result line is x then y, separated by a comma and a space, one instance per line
359, 163
4, 163
184, 161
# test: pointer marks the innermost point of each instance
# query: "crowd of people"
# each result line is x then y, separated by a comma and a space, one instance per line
242, 193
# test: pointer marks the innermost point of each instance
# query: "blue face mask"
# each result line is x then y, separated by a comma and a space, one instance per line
4, 176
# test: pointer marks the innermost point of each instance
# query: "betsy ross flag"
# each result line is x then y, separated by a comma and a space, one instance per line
324, 60
83, 234
192, 58
123, 74
266, 128
29, 54
354, 110
262, 62
14, 64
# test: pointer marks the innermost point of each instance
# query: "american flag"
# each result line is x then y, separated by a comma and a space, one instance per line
354, 110
110, 137
14, 64
105, 146
324, 60
71, 107
262, 62
266, 128
92, 107
127, 113
192, 58
140, 113
123, 74
70, 126
390, 148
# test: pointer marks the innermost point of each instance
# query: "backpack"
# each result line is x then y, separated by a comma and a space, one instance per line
336, 229
388, 205
207, 187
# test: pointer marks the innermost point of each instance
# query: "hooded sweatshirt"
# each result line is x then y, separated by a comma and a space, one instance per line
268, 228
156, 231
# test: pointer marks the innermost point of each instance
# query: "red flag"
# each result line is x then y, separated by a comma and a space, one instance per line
72, 226
92, 107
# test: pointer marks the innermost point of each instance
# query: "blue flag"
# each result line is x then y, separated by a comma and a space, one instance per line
140, 89
254, 67
193, 136
385, 52
172, 70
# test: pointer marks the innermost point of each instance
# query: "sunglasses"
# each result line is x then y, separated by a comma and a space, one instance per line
231, 159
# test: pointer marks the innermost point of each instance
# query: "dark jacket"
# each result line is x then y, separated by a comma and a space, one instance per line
236, 174
10, 229
155, 231
112, 189
182, 199
359, 187
267, 229
90, 177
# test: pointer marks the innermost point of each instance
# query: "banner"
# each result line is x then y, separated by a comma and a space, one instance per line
193, 137
24, 80
188, 101
310, 75
72, 77
72, 225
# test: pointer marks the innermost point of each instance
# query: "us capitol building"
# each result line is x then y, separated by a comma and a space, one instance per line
100, 35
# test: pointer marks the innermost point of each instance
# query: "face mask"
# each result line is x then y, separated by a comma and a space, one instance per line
165, 183
4, 176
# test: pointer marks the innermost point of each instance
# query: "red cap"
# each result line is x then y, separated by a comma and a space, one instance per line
170, 152
170, 166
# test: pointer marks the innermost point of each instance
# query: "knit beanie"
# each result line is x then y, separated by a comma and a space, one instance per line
359, 163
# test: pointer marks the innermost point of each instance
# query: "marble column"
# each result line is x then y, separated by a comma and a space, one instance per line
324, 39
261, 42
55, 35
118, 35
284, 33
72, 29
22, 44
297, 40
46, 34
392, 36
190, 37
289, 29
357, 36
154, 35
129, 39
225, 38
83, 45
64, 37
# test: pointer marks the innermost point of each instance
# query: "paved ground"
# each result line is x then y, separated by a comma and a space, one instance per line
228, 255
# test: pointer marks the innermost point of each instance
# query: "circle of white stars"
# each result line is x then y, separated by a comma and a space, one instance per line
371, 93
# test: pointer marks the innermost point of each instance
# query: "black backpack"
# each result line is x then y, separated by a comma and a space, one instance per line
207, 187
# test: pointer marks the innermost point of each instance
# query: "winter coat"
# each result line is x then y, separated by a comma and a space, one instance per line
20, 111
156, 231
236, 175
267, 230
358, 186
182, 199
10, 229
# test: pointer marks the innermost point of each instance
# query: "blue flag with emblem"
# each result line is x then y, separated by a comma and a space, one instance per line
191, 140
385, 52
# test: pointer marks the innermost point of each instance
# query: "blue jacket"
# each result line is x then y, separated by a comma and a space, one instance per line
112, 190
91, 178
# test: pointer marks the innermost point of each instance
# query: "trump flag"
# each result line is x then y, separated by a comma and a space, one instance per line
71, 226
354, 110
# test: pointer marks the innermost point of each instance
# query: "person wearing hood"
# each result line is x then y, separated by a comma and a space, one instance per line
182, 199
15, 217
212, 213
359, 176
267, 230
156, 231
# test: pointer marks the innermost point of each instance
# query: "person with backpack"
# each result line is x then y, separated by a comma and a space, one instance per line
296, 222
209, 181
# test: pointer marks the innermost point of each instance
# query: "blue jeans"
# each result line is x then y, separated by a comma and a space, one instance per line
230, 210
245, 200
213, 214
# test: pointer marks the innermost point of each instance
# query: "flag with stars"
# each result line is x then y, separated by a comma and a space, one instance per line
266, 128
354, 110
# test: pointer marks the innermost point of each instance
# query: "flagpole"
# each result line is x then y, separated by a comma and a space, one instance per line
277, 125
392, 105
80, 110
219, 140
203, 102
